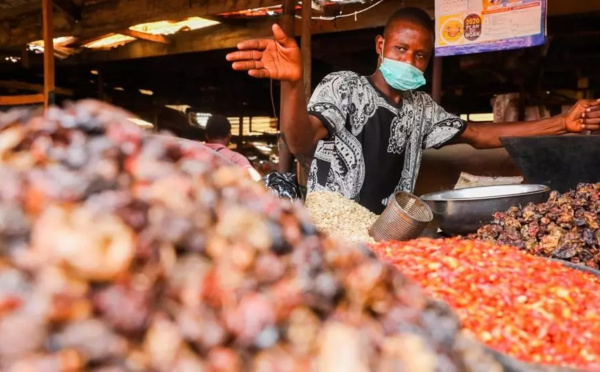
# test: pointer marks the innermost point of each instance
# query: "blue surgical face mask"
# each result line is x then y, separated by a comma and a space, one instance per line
399, 75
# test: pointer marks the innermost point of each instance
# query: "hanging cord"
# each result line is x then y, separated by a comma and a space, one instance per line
273, 100
354, 14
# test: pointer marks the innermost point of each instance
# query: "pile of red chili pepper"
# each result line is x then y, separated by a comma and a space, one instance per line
528, 307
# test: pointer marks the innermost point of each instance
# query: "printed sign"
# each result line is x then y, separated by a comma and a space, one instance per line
475, 26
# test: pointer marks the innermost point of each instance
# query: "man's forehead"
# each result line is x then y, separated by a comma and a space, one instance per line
400, 29
400, 25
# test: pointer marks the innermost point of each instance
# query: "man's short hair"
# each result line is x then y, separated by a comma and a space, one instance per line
218, 127
411, 14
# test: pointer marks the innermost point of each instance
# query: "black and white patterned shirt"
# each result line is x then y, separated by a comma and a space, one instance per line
374, 146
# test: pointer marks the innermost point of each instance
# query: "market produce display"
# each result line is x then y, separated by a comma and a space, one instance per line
339, 217
566, 227
121, 251
525, 306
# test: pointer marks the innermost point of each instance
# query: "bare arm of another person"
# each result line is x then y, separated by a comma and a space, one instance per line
280, 59
584, 115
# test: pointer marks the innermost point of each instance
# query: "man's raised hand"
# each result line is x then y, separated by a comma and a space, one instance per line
278, 59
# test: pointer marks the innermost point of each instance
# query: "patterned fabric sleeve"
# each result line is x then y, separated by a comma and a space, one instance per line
329, 101
442, 127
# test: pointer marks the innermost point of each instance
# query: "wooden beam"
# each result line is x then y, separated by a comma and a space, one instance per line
145, 36
21, 100
81, 41
69, 8
19, 85
225, 36
48, 26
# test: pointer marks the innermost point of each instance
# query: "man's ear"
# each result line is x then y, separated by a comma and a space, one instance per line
379, 44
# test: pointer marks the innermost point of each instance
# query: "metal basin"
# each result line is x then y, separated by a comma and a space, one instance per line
460, 212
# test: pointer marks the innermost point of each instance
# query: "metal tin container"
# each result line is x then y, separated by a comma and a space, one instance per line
463, 211
560, 162
404, 218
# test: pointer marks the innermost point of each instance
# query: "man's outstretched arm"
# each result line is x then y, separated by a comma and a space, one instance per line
584, 115
280, 59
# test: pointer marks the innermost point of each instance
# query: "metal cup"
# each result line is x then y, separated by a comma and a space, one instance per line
404, 218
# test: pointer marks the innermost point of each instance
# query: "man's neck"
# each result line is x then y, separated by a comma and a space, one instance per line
379, 81
218, 142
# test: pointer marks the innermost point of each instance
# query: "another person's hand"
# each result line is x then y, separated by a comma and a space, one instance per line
583, 116
278, 59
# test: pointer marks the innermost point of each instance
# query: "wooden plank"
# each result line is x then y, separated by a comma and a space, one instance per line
145, 36
13, 84
48, 26
83, 41
228, 36
21, 100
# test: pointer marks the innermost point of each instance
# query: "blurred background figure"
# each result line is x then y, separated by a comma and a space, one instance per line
218, 137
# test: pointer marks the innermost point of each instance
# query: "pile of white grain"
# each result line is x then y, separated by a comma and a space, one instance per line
339, 217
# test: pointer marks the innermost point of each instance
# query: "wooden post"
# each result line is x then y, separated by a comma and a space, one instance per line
287, 24
48, 25
436, 88
306, 47
303, 169
287, 17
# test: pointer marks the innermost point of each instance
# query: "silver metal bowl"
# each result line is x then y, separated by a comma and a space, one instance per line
463, 211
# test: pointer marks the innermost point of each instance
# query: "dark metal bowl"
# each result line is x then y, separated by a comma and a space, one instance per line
574, 266
560, 162
463, 211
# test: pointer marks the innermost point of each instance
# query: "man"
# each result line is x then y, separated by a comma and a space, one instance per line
218, 137
365, 134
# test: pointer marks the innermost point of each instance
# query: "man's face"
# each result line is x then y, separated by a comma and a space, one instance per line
407, 42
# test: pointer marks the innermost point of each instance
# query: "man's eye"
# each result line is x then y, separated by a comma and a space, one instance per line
400, 49
420, 55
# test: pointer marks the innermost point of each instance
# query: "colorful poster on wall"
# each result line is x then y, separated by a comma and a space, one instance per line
475, 26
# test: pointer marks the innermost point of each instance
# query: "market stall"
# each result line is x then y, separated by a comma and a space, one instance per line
124, 250
121, 243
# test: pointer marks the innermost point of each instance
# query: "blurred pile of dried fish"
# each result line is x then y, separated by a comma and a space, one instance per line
121, 251
566, 227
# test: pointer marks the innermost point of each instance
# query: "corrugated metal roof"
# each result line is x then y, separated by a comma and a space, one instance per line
169, 27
